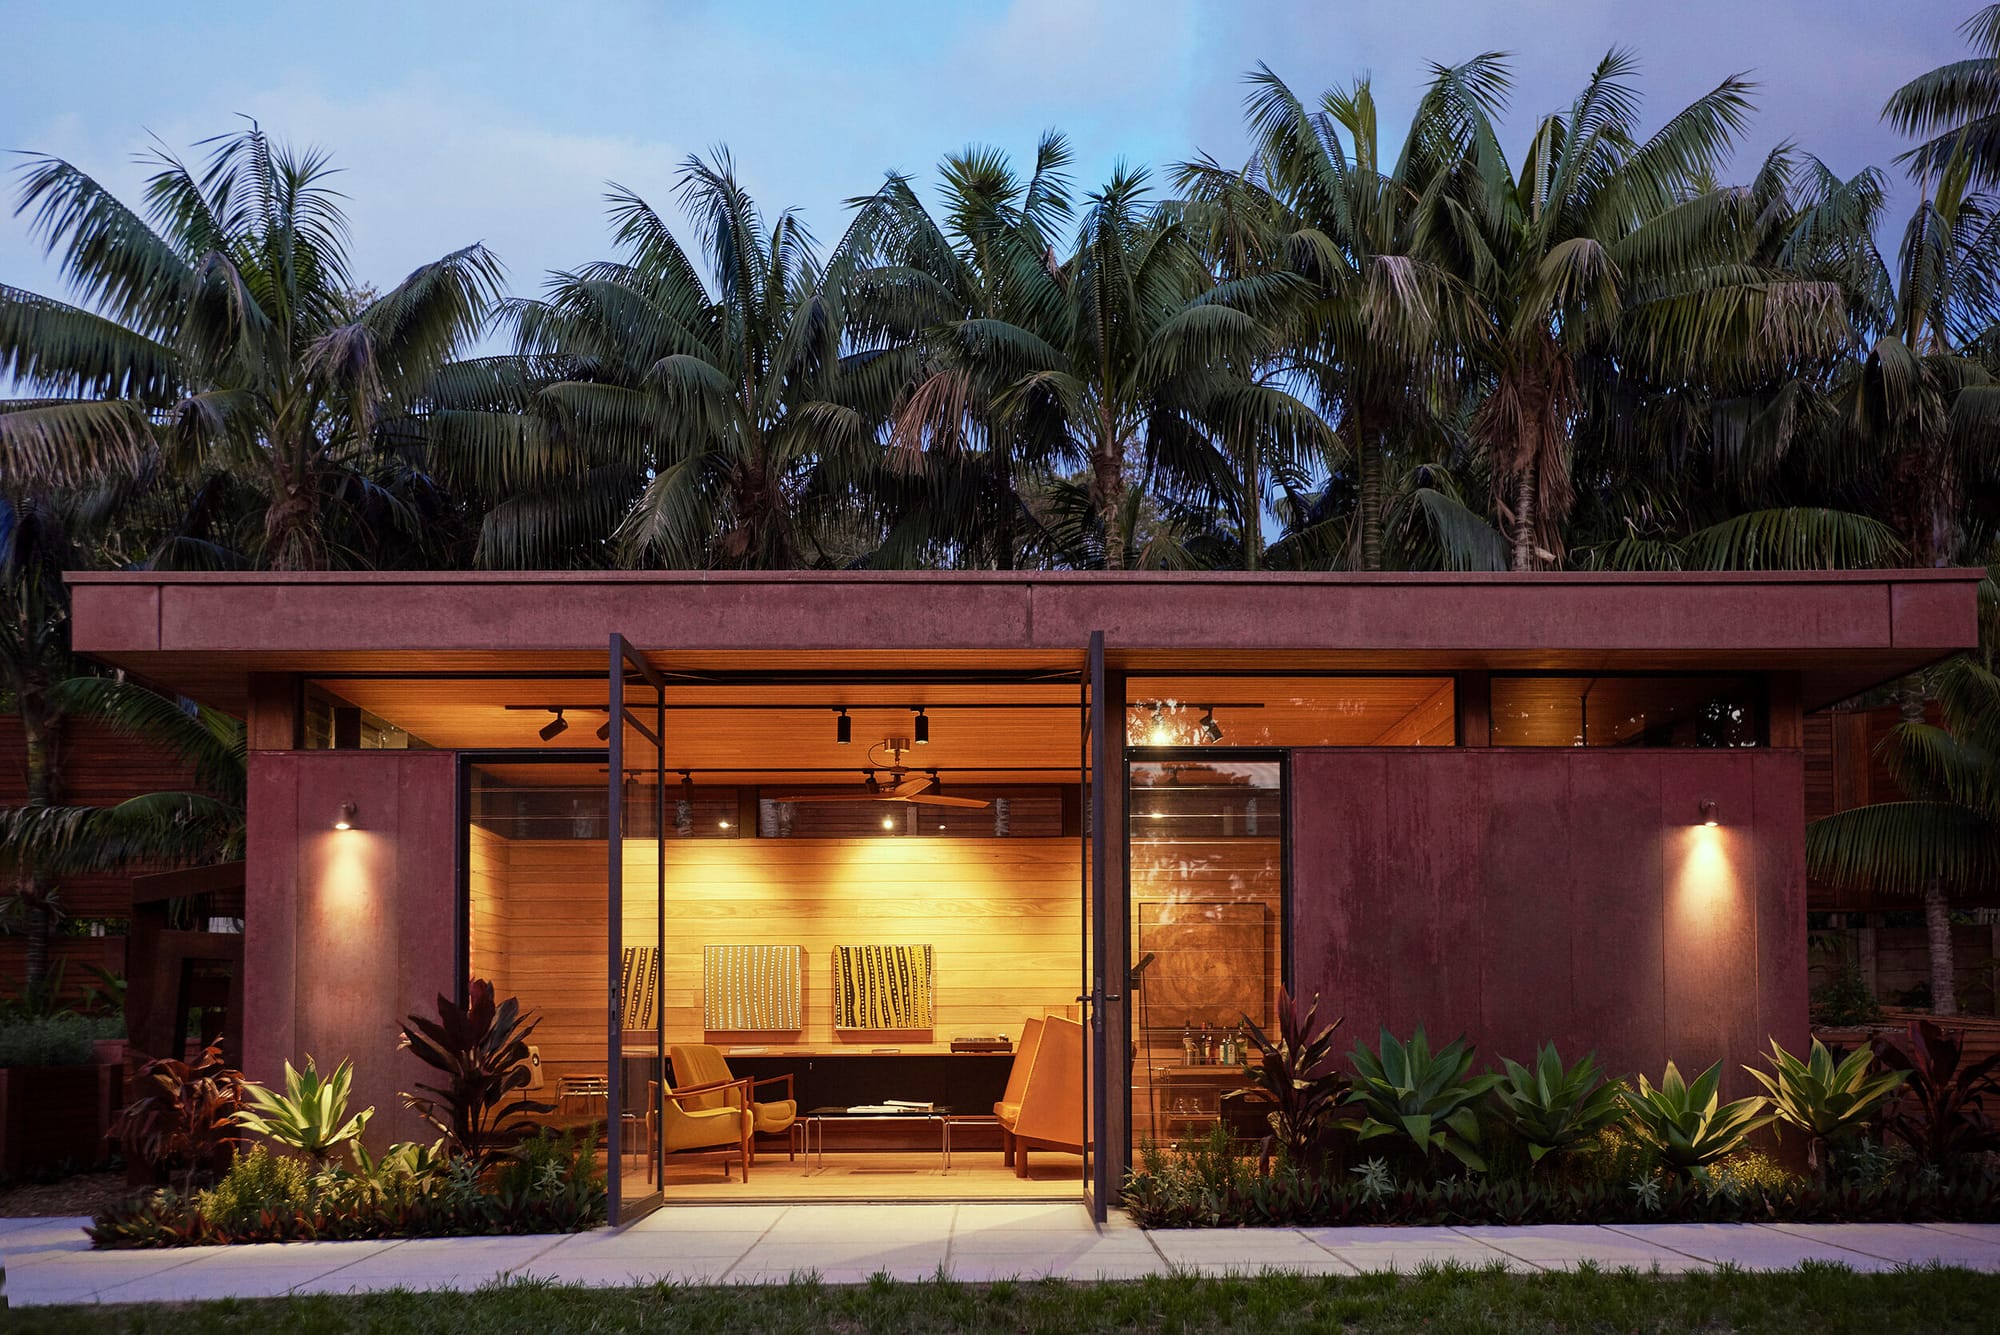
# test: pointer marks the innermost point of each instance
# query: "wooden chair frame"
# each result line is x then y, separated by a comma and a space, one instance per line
747, 1134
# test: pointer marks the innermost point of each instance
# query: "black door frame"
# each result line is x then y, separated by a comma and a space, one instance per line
625, 663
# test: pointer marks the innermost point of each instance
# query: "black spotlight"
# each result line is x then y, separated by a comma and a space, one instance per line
872, 786
843, 727
1211, 731
923, 727
555, 727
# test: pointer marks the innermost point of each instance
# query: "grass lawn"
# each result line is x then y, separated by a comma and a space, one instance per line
1824, 1300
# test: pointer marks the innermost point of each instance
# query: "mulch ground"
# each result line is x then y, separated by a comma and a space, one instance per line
86, 1193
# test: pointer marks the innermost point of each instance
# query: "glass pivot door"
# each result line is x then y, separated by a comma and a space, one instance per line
636, 887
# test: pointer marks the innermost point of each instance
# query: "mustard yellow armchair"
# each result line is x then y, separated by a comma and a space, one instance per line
723, 1131
704, 1064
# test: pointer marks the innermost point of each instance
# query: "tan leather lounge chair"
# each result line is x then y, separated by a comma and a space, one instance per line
1043, 1105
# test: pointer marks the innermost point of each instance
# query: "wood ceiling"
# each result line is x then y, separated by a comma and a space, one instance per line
1022, 733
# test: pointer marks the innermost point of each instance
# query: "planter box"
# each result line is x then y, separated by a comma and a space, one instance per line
57, 1114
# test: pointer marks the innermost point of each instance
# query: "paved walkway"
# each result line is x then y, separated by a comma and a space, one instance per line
49, 1260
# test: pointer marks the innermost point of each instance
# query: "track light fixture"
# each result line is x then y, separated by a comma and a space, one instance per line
344, 820
843, 726
1708, 813
923, 733
872, 785
555, 727
1211, 731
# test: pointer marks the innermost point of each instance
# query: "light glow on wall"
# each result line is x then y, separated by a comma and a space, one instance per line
1706, 888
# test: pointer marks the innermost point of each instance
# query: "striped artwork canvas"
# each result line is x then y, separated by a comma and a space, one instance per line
882, 987
751, 987
640, 980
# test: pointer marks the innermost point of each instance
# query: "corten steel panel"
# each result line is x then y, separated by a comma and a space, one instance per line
119, 615
270, 904
1573, 893
1781, 901
1927, 616
1299, 614
348, 931
1526, 892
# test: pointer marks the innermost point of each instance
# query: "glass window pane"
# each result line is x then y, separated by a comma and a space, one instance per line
1207, 887
1692, 711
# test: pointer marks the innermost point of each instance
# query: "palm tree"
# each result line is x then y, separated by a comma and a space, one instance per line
1320, 201
962, 475
227, 338
1955, 108
1945, 836
681, 419
1603, 249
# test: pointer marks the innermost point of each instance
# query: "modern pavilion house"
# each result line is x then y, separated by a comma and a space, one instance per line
822, 828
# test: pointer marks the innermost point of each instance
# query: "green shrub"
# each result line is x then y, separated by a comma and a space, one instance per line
1821, 1098
56, 1040
1747, 1172
256, 1183
1845, 1000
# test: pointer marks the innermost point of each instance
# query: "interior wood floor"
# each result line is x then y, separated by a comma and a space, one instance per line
975, 1175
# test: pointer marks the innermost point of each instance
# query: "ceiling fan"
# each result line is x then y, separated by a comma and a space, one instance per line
904, 785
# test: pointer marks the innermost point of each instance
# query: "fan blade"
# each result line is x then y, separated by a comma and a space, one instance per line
911, 786
830, 797
934, 801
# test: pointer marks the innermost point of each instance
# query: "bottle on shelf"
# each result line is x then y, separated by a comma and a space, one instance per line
1188, 1053
1207, 1045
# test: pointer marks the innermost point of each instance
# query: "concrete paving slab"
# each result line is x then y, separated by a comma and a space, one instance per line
625, 1272
1568, 1246
1407, 1249
863, 1254
849, 1222
36, 1237
1241, 1250
1013, 1218
1907, 1244
1977, 1232
691, 1218
611, 1246
1747, 1246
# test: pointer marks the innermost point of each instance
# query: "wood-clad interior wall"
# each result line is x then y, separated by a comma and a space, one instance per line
1001, 917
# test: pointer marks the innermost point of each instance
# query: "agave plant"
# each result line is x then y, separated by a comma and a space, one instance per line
1939, 1115
310, 1116
1297, 1075
482, 1049
1823, 1098
1553, 1107
1430, 1098
1688, 1123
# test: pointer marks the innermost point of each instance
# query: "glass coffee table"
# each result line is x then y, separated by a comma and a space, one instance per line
816, 1121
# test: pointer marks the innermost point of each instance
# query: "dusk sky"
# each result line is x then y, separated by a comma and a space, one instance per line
501, 121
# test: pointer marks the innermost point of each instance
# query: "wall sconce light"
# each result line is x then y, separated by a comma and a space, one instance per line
556, 726
923, 733
888, 823
843, 726
722, 825
1211, 731
345, 820
1708, 813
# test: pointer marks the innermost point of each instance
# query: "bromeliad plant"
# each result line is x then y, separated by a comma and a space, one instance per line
1822, 1098
482, 1049
1939, 1114
1554, 1108
1432, 1099
1688, 1123
1298, 1076
310, 1116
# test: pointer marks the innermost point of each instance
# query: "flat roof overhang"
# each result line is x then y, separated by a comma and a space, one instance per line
202, 635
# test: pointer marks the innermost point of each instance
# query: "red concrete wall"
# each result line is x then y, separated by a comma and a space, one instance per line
348, 931
1572, 895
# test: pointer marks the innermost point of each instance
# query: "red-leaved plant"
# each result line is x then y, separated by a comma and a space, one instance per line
183, 1121
1297, 1075
1938, 1112
482, 1050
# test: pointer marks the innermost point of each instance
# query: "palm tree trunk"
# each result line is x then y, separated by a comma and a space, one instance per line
1524, 518
1253, 507
1937, 927
1368, 499
1108, 483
